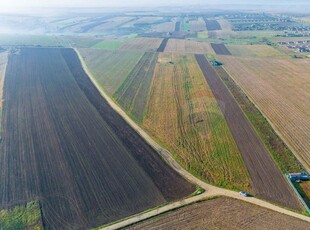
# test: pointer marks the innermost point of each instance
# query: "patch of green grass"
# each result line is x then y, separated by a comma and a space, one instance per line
282, 155
108, 45
185, 25
21, 217
132, 35
202, 35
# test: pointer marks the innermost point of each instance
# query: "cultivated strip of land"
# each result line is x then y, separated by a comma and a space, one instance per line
220, 49
268, 181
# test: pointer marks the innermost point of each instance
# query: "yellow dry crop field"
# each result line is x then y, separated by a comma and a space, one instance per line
225, 25
197, 25
281, 89
188, 46
254, 51
140, 44
164, 27
183, 115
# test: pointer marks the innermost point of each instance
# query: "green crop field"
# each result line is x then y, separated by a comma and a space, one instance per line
132, 95
21, 217
110, 68
108, 45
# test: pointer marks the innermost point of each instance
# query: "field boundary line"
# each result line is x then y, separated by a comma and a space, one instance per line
304, 164
210, 190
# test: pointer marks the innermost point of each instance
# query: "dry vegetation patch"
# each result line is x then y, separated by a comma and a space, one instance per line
254, 51
281, 89
188, 46
140, 44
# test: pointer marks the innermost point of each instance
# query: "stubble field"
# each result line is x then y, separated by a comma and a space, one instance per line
222, 213
188, 46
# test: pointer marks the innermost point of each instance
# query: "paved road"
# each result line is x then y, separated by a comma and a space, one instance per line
210, 190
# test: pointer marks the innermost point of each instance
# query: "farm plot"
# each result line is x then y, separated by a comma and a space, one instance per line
140, 44
212, 25
280, 88
254, 51
164, 27
183, 115
197, 25
220, 49
163, 45
222, 213
108, 24
268, 182
57, 125
177, 26
132, 95
188, 46
110, 68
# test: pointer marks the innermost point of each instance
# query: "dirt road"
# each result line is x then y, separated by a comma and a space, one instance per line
210, 190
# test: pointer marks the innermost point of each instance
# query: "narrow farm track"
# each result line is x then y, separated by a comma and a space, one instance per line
268, 181
210, 190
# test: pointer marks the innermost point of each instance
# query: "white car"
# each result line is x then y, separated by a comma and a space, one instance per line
243, 193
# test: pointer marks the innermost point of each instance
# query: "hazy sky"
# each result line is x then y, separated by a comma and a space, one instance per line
109, 3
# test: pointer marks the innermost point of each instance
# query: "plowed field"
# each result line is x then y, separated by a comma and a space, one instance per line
63, 145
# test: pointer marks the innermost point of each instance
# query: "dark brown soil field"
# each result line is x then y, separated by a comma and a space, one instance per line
268, 181
63, 145
163, 45
177, 27
222, 213
212, 25
220, 49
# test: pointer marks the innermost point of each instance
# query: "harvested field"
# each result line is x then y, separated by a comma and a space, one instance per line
197, 25
254, 51
268, 181
132, 95
280, 88
163, 45
188, 46
57, 125
220, 49
142, 44
225, 25
109, 24
177, 26
164, 27
110, 68
183, 115
222, 213
212, 25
